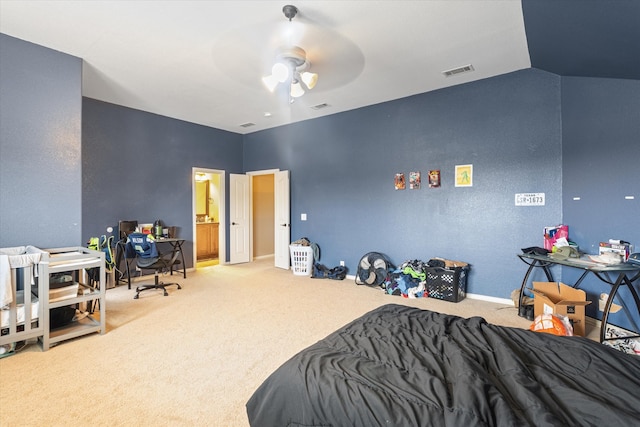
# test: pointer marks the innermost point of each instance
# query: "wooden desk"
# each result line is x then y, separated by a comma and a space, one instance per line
125, 275
176, 245
626, 274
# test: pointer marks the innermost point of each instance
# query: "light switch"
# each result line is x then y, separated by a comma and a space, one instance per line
303, 217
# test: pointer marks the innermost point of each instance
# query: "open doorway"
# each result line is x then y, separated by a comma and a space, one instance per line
241, 217
208, 217
270, 217
263, 216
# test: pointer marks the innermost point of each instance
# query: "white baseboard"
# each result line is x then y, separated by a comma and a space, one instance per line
505, 301
595, 323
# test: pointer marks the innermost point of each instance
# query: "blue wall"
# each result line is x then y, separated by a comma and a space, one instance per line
342, 170
528, 131
138, 166
601, 151
40, 140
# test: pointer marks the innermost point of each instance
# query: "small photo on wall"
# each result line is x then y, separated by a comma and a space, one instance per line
464, 175
414, 180
434, 178
399, 181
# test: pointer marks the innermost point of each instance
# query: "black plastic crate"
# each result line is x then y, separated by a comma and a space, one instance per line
449, 284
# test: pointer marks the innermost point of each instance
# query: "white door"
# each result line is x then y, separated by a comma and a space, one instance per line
239, 219
282, 219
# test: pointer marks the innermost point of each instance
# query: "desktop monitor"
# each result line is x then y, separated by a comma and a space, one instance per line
126, 227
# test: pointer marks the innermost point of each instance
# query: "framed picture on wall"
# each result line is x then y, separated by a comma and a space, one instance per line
464, 176
434, 178
399, 182
414, 180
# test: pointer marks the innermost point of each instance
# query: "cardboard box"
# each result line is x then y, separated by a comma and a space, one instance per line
558, 298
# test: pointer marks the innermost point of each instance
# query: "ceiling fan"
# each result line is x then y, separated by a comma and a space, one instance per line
291, 66
247, 55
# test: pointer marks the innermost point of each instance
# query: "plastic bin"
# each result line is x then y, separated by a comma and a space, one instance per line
449, 284
301, 260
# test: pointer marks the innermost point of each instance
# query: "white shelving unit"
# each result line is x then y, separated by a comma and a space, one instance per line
75, 260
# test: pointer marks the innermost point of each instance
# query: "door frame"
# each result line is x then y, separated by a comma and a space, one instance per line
222, 229
222, 234
251, 174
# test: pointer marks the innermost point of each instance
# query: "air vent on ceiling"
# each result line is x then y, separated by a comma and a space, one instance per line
247, 125
320, 106
458, 70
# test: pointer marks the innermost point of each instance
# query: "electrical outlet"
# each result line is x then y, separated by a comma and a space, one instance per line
303, 217
341, 263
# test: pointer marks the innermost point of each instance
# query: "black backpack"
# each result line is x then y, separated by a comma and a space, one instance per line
373, 269
320, 271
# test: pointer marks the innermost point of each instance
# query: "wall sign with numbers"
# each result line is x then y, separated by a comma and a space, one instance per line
529, 199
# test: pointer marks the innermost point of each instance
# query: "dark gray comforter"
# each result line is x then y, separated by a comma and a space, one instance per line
400, 366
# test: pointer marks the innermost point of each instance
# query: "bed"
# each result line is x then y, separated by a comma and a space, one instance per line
402, 366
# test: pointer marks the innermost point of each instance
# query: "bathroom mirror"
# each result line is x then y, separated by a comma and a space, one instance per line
202, 198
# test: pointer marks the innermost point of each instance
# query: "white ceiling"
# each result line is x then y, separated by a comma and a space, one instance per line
202, 61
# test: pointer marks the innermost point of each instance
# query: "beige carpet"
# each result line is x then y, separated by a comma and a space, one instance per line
195, 357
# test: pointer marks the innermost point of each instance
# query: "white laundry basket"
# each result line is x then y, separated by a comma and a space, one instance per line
301, 260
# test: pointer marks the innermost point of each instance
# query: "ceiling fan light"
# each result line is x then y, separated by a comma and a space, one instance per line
309, 79
296, 90
280, 72
270, 82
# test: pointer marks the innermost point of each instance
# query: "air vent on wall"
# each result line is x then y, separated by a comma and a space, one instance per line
320, 106
458, 70
247, 125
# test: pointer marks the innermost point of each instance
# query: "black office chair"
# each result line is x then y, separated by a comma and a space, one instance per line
122, 273
143, 248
